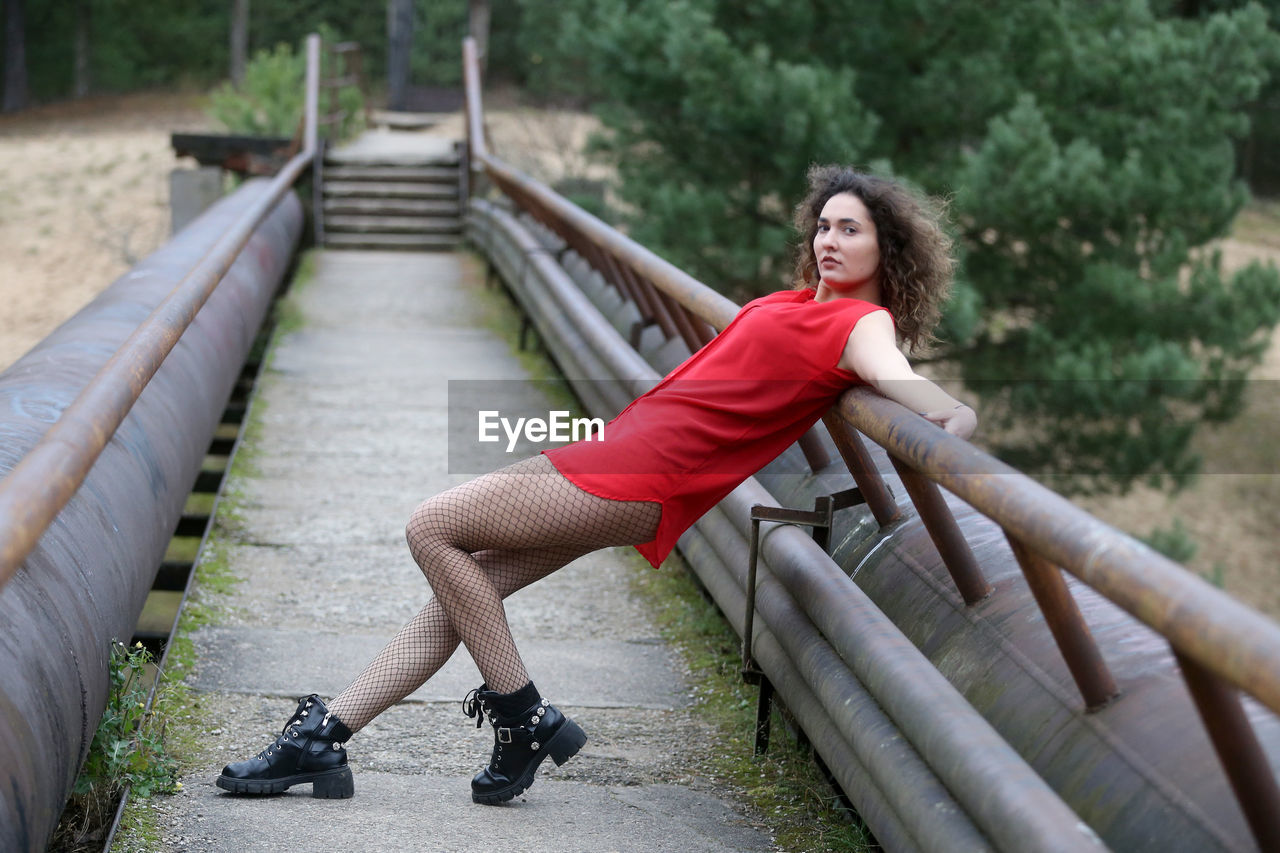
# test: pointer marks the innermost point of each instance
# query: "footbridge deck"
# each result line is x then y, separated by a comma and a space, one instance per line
349, 433
981, 665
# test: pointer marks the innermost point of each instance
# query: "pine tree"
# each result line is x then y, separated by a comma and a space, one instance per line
1088, 149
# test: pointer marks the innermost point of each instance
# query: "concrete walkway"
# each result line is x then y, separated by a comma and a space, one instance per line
352, 435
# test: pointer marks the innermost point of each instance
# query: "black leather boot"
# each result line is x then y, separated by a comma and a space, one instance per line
526, 728
309, 749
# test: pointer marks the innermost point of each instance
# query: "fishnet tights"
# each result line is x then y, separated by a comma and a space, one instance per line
477, 543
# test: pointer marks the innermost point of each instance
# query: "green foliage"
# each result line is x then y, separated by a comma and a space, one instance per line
127, 749
1173, 541
140, 43
128, 752
439, 28
134, 44
1177, 543
270, 102
711, 137
1088, 150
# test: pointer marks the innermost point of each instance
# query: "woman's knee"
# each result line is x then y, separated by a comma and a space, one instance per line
428, 532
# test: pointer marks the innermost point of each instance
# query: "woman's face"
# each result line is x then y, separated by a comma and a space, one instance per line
845, 246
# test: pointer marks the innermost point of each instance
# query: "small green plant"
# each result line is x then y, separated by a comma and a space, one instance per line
1174, 542
128, 751
270, 100
269, 103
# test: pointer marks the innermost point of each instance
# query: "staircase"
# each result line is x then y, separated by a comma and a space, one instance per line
376, 200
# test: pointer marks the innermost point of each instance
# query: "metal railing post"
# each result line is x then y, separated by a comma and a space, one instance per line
1068, 627
1238, 749
944, 532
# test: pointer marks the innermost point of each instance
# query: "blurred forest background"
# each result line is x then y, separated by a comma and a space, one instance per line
1096, 158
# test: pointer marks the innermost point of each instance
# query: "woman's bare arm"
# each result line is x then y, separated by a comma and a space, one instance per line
872, 353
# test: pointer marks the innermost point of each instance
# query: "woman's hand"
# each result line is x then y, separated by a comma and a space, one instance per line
959, 421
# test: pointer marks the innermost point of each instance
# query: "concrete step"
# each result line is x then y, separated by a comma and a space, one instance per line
389, 189
391, 206
351, 172
394, 224
407, 121
407, 242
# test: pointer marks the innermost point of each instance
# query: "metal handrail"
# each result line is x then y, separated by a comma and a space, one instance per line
1207, 625
1222, 645
48, 476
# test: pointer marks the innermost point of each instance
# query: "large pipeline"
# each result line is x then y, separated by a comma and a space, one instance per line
1114, 767
85, 582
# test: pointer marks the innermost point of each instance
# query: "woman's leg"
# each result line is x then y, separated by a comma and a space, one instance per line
528, 506
476, 544
429, 640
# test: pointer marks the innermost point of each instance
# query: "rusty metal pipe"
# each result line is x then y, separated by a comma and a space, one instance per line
1008, 801
571, 307
85, 581
521, 262
474, 112
681, 318
815, 452
830, 702
716, 309
39, 487
638, 291
133, 385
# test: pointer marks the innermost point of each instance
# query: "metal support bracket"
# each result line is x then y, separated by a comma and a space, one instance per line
819, 519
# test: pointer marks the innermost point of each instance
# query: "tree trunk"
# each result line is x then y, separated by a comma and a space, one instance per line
82, 76
15, 57
399, 51
479, 19
239, 40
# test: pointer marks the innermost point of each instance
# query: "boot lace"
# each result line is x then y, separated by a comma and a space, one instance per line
473, 706
290, 729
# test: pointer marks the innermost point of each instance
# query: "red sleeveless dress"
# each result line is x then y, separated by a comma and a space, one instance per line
722, 415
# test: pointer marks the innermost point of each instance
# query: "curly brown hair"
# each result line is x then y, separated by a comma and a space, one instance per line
915, 252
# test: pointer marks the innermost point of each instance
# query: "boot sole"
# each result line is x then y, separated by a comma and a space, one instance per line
564, 744
335, 784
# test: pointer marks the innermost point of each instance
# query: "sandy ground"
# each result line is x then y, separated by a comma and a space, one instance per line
84, 195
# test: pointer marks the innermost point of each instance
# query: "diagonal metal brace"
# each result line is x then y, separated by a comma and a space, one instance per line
820, 519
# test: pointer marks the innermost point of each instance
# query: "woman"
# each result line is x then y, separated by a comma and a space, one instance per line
874, 267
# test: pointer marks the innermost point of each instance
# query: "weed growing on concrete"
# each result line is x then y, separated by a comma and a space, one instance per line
128, 752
